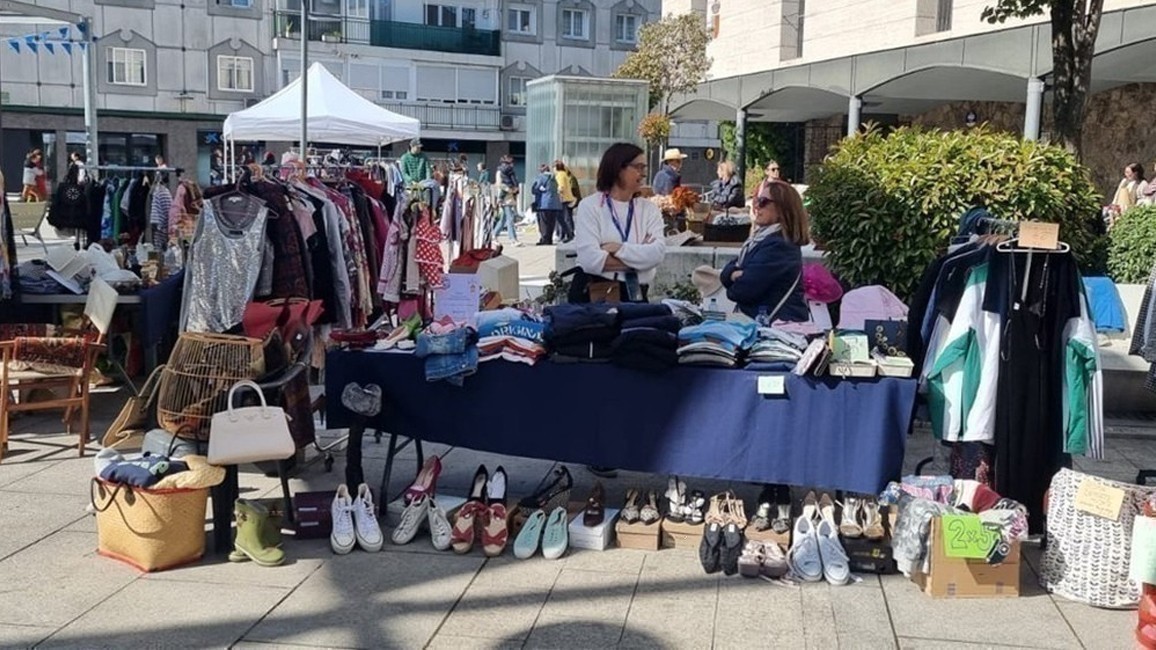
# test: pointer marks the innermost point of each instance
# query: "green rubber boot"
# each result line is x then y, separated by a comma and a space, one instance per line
250, 542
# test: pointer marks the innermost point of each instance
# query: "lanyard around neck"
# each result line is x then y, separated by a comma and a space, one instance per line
622, 232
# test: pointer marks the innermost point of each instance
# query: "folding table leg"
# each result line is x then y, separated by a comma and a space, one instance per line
354, 475
283, 474
387, 471
223, 497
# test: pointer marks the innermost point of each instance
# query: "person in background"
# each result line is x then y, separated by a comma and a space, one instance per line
162, 203
549, 204
33, 171
508, 181
77, 170
483, 175
727, 190
670, 175
415, 166
772, 171
566, 186
1147, 193
270, 159
217, 168
765, 280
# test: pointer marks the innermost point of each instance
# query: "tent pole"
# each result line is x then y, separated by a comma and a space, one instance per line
304, 80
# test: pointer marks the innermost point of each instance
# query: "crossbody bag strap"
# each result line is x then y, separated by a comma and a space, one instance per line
775, 311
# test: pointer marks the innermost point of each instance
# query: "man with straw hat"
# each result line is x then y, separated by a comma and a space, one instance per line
669, 175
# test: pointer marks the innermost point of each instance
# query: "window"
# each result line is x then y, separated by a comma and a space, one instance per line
357, 8
126, 66
802, 16
241, 4
574, 23
517, 96
520, 21
943, 16
235, 74
395, 83
626, 28
441, 15
792, 36
469, 17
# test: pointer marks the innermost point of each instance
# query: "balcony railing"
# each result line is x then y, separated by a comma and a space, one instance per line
388, 33
433, 116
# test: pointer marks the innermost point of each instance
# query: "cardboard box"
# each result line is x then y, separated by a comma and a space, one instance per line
597, 538
638, 535
768, 535
870, 556
681, 534
959, 578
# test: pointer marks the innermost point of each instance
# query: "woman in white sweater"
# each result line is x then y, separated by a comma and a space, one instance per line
619, 236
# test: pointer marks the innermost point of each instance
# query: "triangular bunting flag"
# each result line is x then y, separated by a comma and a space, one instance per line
48, 46
83, 27
32, 46
14, 44
63, 31
67, 47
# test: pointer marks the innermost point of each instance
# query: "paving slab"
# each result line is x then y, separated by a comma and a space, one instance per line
553, 632
908, 643
660, 621
14, 468
1036, 621
27, 518
218, 570
364, 600
591, 595
155, 613
758, 614
860, 614
496, 612
23, 636
1099, 628
72, 476
58, 579
676, 573
452, 642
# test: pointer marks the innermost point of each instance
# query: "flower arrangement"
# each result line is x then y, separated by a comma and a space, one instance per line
683, 199
654, 128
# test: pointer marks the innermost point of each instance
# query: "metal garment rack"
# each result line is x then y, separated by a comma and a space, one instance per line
134, 168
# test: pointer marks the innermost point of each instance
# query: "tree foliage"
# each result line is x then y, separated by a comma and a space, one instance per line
884, 206
671, 57
1133, 246
1075, 24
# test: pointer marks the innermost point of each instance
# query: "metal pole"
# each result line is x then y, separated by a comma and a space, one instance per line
91, 129
304, 80
741, 145
1032, 110
854, 115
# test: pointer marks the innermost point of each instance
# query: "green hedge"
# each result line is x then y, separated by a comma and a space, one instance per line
883, 206
1133, 247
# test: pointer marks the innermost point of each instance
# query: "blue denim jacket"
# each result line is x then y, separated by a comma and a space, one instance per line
454, 342
454, 368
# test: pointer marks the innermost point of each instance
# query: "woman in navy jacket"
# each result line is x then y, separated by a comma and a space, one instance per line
768, 270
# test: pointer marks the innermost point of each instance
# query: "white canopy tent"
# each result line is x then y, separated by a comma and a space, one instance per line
336, 114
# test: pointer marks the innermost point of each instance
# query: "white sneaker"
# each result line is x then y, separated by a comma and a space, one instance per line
439, 526
411, 520
343, 538
368, 532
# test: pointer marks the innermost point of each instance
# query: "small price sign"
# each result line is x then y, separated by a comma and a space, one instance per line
964, 536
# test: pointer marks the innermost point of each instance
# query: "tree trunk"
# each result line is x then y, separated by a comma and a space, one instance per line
1073, 47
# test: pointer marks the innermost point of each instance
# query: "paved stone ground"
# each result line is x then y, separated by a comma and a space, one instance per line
56, 592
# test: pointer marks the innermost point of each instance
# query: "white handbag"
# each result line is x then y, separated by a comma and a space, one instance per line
249, 434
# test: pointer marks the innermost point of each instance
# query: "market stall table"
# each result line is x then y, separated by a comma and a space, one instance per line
833, 433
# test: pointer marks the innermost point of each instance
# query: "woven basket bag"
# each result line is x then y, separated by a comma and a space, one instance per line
152, 530
1087, 556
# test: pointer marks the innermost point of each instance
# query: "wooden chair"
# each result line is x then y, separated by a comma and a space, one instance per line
22, 371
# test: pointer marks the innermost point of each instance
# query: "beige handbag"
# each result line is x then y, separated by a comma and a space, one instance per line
251, 433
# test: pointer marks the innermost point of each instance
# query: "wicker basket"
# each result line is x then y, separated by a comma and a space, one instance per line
195, 384
152, 530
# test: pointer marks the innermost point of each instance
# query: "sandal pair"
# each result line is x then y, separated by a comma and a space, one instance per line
762, 559
634, 512
722, 539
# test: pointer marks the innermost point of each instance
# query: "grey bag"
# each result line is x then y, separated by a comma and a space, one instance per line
159, 442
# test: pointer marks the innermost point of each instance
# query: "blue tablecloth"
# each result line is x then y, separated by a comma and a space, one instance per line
703, 422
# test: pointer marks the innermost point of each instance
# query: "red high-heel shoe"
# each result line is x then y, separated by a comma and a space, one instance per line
426, 481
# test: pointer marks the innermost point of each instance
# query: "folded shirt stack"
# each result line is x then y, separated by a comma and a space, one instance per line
647, 343
587, 332
775, 345
511, 335
716, 343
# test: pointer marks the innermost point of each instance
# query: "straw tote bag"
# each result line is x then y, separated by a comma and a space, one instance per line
251, 433
152, 530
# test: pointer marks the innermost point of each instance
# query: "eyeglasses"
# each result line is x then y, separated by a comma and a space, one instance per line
761, 202
641, 167
773, 169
